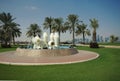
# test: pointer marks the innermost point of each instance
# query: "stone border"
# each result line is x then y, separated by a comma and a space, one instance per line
82, 56
45, 52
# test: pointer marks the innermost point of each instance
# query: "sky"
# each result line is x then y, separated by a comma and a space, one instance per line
27, 12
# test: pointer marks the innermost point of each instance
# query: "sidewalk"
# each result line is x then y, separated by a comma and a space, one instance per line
12, 59
106, 46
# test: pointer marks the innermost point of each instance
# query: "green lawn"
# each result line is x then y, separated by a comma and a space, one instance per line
105, 68
115, 44
7, 49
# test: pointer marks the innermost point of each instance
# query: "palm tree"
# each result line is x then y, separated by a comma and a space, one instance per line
113, 38
15, 31
72, 22
34, 30
94, 24
6, 20
48, 23
81, 29
59, 26
0, 34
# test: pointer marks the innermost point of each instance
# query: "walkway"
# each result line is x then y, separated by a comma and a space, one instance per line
13, 59
106, 46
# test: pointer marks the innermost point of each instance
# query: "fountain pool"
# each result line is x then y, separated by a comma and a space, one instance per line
61, 51
42, 52
43, 48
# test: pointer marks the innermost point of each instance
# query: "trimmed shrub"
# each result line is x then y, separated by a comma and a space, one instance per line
94, 45
5, 46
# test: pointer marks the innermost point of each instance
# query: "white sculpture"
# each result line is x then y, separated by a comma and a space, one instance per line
56, 39
51, 44
45, 39
40, 44
36, 41
52, 37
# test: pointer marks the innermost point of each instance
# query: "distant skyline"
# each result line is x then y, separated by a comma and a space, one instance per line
27, 12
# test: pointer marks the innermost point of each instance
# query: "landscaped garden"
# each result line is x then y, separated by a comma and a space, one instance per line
104, 68
114, 44
50, 40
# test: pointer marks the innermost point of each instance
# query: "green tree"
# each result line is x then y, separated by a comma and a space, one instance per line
34, 30
6, 28
71, 23
113, 38
81, 29
48, 23
59, 26
15, 31
0, 34
94, 24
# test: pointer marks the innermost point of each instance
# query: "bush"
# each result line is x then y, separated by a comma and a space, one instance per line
5, 46
94, 45
23, 46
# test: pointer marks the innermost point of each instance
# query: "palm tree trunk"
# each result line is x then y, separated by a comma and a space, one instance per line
50, 29
73, 36
13, 40
5, 43
59, 37
34, 34
112, 40
94, 36
83, 37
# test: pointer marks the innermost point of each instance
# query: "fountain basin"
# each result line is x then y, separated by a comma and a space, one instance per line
45, 52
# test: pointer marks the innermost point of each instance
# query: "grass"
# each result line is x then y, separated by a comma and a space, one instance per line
8, 49
115, 44
104, 68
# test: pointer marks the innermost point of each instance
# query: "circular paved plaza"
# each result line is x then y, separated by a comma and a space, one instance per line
14, 59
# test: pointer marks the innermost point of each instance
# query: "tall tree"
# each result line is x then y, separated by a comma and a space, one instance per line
1, 34
6, 21
15, 31
81, 29
34, 30
72, 22
48, 23
94, 24
113, 38
59, 25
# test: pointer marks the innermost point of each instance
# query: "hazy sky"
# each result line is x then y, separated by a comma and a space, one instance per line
26, 12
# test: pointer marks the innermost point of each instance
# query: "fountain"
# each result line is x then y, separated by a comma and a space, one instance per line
12, 58
44, 52
43, 47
